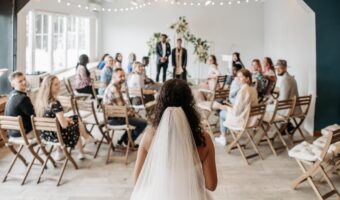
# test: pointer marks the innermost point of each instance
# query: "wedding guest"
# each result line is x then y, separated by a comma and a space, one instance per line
237, 59
179, 61
119, 60
236, 115
136, 80
163, 51
258, 79
235, 84
19, 104
72, 128
106, 75
287, 84
269, 73
82, 79
210, 83
113, 96
234, 71
101, 63
132, 59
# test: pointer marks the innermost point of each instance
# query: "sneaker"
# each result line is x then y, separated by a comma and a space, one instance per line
59, 156
81, 156
221, 140
90, 140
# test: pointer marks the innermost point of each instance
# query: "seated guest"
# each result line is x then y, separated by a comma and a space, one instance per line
119, 60
136, 80
236, 115
83, 81
287, 84
235, 84
213, 73
148, 82
19, 104
113, 96
269, 73
132, 59
106, 75
48, 106
235, 69
101, 63
260, 82
237, 59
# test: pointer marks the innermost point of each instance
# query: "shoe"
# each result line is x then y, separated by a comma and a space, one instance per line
81, 156
90, 140
221, 140
59, 156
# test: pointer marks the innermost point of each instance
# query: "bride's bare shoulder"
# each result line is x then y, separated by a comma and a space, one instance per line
148, 137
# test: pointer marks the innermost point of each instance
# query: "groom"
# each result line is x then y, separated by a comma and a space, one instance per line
163, 51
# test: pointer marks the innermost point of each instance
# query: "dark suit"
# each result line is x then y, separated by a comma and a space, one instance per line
161, 65
182, 76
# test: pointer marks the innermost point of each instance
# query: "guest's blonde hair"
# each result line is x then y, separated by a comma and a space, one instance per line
45, 96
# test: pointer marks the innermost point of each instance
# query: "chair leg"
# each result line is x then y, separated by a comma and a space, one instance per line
265, 135
280, 137
250, 136
48, 157
35, 156
239, 146
110, 144
17, 154
70, 158
62, 171
330, 183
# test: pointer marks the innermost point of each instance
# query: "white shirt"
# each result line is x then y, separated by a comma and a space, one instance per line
163, 49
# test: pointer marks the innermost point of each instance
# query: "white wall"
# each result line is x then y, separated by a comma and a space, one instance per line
54, 7
228, 28
290, 34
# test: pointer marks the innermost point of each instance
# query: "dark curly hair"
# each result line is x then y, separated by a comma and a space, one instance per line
177, 93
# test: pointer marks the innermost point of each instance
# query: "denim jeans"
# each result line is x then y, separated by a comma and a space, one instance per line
138, 123
223, 116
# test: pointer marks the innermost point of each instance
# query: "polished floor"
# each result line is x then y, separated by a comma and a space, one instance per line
268, 179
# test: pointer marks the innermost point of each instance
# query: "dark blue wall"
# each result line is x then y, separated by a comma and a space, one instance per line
327, 13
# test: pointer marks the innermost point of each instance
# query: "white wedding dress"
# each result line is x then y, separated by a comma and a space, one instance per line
172, 169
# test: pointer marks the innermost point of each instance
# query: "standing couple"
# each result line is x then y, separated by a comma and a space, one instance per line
178, 59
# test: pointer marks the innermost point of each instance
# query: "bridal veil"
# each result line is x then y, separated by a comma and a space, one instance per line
172, 169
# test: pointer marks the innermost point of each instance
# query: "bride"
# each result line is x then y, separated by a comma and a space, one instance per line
176, 158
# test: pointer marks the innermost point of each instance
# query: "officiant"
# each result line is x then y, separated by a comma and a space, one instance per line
179, 61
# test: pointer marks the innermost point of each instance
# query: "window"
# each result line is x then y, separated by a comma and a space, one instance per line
54, 41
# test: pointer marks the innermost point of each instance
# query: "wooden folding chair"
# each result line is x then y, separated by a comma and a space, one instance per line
15, 123
96, 74
51, 124
138, 92
297, 118
278, 119
207, 108
219, 84
96, 85
117, 112
316, 167
67, 103
92, 119
253, 124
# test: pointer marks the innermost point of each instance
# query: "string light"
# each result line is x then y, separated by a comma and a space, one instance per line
135, 5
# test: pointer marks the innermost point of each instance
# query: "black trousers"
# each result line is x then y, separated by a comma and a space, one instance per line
182, 76
160, 66
86, 90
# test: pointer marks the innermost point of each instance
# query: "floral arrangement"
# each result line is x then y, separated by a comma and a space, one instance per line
201, 47
152, 43
181, 26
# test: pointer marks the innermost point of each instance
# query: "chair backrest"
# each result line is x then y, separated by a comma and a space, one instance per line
115, 111
221, 94
98, 84
304, 103
85, 105
67, 103
136, 92
332, 137
64, 88
285, 107
220, 81
70, 84
13, 123
97, 73
256, 115
40, 124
